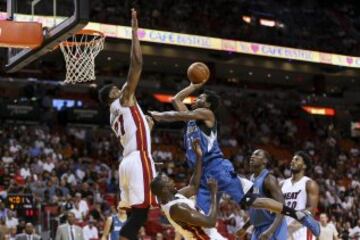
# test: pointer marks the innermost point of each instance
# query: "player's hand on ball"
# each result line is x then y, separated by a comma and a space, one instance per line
213, 186
197, 148
134, 20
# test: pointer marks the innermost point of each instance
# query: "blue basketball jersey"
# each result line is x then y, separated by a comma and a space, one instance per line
208, 142
116, 226
262, 219
259, 217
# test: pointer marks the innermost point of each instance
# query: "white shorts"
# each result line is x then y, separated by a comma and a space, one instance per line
301, 234
136, 172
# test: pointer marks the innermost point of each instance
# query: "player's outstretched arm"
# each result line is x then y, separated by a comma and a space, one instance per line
175, 116
178, 99
183, 214
193, 187
136, 62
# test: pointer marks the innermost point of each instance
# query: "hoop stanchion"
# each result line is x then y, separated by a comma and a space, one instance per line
80, 52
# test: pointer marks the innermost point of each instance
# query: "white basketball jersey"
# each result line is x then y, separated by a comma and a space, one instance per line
295, 196
130, 126
190, 232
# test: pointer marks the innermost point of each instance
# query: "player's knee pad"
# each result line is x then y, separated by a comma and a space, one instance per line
248, 199
135, 221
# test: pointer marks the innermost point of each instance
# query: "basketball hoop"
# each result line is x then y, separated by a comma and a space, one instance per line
80, 52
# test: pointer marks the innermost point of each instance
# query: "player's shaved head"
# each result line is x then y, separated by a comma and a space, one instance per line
162, 186
156, 185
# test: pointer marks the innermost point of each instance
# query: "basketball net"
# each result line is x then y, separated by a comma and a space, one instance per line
80, 52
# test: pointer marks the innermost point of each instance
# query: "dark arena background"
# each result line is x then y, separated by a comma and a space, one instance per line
287, 73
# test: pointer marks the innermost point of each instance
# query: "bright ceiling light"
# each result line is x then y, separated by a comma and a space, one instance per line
267, 22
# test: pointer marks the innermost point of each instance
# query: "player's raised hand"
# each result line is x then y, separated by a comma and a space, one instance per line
134, 20
197, 85
197, 148
213, 186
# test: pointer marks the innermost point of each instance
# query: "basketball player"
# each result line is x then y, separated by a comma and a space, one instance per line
202, 125
129, 124
267, 225
300, 192
114, 224
181, 212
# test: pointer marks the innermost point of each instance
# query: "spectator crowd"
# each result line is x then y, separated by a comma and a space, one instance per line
75, 168
305, 24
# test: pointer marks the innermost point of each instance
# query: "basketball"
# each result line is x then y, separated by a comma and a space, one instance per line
198, 72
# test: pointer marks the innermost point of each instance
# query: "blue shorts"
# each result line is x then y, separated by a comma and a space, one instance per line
280, 233
221, 170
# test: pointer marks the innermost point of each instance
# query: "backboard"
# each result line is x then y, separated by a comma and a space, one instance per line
60, 20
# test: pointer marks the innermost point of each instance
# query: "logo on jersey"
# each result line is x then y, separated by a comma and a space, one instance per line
291, 195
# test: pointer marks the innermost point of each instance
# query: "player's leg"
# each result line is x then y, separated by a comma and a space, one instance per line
203, 199
133, 224
228, 182
223, 172
304, 217
138, 176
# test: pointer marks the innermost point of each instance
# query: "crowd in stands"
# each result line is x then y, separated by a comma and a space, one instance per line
75, 169
306, 24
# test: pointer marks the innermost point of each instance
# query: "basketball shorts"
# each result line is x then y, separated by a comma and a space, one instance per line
229, 183
136, 172
301, 234
280, 233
